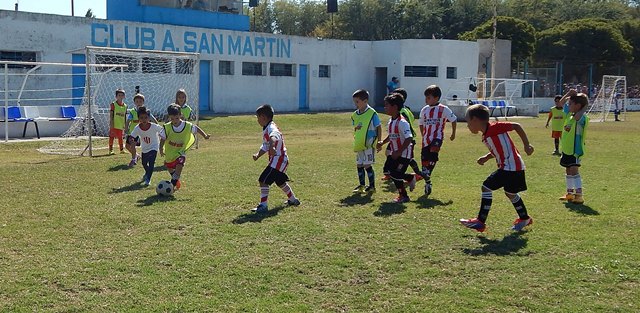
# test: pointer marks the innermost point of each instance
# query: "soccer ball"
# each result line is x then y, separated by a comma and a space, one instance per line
165, 188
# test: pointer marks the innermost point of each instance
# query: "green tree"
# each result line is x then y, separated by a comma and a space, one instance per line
521, 34
585, 40
464, 15
631, 32
261, 17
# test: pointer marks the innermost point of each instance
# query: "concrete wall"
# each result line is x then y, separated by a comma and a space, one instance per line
352, 63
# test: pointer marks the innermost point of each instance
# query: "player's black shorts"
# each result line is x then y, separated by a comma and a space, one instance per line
271, 175
430, 152
511, 181
132, 140
398, 165
569, 160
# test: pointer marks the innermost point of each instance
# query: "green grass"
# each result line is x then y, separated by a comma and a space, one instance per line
79, 234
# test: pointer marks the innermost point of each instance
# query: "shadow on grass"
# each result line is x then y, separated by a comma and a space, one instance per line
581, 209
390, 208
508, 245
154, 199
257, 217
119, 167
356, 199
424, 202
133, 187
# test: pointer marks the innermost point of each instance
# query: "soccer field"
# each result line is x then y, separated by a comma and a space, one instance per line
82, 234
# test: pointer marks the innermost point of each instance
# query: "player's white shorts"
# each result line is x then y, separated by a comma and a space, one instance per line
366, 157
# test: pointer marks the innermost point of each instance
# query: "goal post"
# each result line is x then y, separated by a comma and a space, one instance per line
611, 98
157, 75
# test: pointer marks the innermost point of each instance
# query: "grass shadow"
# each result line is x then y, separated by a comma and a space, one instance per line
154, 199
389, 208
257, 217
356, 199
133, 187
424, 202
508, 245
581, 209
119, 167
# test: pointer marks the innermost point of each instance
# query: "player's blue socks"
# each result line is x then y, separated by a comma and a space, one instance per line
372, 176
361, 175
485, 205
518, 204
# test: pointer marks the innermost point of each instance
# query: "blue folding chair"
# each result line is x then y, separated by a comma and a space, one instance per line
14, 115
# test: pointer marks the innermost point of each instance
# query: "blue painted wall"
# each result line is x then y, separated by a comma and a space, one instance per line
131, 10
78, 78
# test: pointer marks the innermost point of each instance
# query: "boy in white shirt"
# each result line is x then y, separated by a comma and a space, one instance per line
148, 134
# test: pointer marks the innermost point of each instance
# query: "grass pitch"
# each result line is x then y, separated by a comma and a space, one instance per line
81, 234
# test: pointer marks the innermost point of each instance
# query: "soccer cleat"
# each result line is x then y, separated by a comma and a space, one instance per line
519, 224
261, 208
132, 163
473, 223
359, 189
401, 199
428, 188
386, 177
412, 183
555, 152
147, 182
111, 152
370, 189
177, 185
577, 199
294, 202
568, 197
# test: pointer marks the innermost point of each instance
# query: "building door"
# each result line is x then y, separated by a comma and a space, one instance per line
380, 90
303, 87
204, 98
78, 78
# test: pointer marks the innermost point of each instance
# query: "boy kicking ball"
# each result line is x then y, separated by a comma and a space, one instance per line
510, 173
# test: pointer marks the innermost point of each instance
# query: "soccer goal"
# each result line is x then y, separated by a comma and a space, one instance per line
155, 74
610, 103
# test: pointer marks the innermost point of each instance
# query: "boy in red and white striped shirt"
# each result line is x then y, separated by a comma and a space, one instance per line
272, 144
400, 140
433, 118
510, 173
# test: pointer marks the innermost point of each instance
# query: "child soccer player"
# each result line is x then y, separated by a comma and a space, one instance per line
132, 122
117, 120
433, 118
572, 143
510, 173
367, 131
408, 115
148, 135
400, 139
185, 109
557, 117
273, 145
176, 138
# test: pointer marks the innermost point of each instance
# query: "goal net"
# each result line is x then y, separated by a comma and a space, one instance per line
609, 104
157, 75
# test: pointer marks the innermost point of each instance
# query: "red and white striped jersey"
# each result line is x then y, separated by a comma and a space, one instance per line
433, 119
279, 160
497, 139
399, 131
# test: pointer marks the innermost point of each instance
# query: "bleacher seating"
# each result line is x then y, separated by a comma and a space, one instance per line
15, 116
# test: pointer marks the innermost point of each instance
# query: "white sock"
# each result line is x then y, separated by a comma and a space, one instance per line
264, 195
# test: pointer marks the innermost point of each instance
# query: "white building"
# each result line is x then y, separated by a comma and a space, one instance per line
240, 69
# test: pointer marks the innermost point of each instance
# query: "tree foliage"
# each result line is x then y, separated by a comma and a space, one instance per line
521, 34
585, 40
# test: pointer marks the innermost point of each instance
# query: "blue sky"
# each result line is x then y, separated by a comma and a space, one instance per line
62, 7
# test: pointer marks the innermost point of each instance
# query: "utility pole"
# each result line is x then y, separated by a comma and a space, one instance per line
493, 49
72, 13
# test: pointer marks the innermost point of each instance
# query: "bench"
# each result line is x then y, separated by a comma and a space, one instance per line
14, 116
501, 105
67, 113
